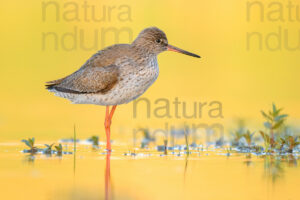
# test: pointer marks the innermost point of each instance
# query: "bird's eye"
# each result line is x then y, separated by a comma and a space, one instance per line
158, 41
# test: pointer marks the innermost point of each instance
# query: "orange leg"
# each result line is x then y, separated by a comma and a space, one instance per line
107, 123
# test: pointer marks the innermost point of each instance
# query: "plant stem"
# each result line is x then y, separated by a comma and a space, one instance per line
166, 146
186, 141
272, 137
74, 164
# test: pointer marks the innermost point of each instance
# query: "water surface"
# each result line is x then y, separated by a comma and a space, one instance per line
146, 175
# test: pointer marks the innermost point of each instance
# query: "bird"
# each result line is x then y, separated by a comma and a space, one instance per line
116, 75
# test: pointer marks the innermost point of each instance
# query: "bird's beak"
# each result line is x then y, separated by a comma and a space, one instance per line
172, 48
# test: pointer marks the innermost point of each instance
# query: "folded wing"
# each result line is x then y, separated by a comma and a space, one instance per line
87, 80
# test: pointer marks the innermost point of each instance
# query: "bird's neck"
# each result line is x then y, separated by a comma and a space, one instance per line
142, 51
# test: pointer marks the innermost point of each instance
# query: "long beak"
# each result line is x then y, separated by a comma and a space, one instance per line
175, 49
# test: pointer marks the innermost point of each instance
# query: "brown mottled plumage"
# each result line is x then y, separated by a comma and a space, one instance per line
117, 74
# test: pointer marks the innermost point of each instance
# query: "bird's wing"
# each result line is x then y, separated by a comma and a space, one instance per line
88, 80
99, 74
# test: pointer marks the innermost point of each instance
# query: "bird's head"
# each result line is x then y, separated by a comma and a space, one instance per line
154, 41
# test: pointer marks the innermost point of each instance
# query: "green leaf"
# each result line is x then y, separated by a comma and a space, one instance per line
270, 113
265, 115
277, 112
280, 117
31, 141
274, 108
49, 146
26, 142
268, 125
282, 141
59, 147
262, 134
278, 124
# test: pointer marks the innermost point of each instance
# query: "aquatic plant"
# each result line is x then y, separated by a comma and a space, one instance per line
30, 144
274, 120
186, 140
166, 146
292, 143
238, 134
74, 158
281, 144
267, 141
147, 138
95, 140
248, 137
59, 149
48, 149
228, 150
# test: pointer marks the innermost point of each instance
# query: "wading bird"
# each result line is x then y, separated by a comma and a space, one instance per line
117, 74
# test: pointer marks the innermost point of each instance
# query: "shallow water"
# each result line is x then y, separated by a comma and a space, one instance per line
147, 175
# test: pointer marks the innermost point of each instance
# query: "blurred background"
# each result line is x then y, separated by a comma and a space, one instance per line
250, 59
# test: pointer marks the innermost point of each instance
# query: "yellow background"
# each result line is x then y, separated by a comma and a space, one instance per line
244, 81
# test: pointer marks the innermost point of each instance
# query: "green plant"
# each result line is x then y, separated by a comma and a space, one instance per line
292, 143
274, 120
59, 149
30, 144
74, 141
228, 150
95, 140
48, 149
166, 146
186, 140
146, 133
267, 140
248, 137
281, 143
147, 138
237, 135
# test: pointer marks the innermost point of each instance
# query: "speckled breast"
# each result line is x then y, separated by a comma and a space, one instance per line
135, 81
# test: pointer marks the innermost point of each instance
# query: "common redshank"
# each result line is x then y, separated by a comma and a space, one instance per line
117, 74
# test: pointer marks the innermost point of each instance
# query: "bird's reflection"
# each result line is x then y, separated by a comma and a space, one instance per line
108, 195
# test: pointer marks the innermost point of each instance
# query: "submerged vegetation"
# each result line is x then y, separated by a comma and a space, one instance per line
95, 141
277, 138
186, 137
147, 138
274, 121
30, 144
48, 150
248, 137
59, 149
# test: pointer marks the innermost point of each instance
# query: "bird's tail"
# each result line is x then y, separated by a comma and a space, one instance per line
51, 84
